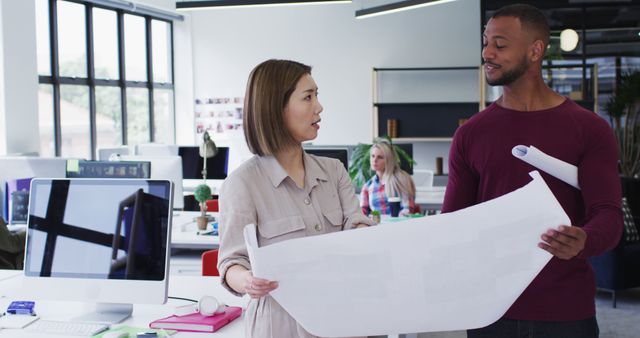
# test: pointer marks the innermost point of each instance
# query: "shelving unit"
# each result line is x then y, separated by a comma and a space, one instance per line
428, 103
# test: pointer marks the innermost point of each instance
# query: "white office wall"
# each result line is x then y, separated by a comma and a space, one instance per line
228, 43
18, 78
183, 81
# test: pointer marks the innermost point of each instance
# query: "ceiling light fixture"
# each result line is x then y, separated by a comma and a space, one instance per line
213, 4
568, 40
397, 7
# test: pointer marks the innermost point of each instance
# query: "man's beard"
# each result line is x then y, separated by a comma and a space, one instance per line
509, 76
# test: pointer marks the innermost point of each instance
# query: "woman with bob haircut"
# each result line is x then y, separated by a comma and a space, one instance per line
389, 181
286, 192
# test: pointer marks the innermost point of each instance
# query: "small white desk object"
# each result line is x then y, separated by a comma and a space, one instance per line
192, 287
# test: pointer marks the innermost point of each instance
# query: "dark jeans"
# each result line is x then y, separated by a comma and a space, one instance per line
509, 328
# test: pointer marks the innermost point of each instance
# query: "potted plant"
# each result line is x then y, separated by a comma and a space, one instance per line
202, 194
360, 167
375, 216
623, 108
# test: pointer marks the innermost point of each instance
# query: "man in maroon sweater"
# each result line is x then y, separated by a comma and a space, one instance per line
560, 300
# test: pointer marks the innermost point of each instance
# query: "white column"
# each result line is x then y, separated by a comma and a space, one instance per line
18, 78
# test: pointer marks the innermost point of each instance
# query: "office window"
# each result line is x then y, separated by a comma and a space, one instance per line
105, 78
72, 39
105, 32
161, 51
74, 121
108, 117
138, 115
42, 37
162, 105
135, 48
45, 120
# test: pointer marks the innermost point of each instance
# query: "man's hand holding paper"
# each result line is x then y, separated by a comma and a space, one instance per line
565, 242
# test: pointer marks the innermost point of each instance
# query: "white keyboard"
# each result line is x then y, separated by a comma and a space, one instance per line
67, 328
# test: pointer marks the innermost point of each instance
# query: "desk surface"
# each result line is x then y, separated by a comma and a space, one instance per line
184, 232
192, 287
430, 196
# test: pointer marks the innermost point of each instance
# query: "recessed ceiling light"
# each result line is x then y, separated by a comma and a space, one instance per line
211, 4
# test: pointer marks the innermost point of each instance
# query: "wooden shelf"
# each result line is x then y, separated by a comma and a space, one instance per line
431, 114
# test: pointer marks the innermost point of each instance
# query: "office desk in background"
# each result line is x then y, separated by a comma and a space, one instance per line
184, 232
430, 198
192, 287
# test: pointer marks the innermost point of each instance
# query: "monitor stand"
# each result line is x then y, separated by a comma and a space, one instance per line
110, 313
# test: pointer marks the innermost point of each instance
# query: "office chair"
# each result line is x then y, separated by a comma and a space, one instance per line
210, 263
212, 205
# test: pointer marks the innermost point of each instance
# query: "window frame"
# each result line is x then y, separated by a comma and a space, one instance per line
55, 80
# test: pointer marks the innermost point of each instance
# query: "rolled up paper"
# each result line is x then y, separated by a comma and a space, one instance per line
559, 169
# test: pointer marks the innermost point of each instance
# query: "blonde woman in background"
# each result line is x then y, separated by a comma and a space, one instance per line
389, 181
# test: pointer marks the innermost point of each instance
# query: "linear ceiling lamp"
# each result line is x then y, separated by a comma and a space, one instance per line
139, 9
396, 7
211, 4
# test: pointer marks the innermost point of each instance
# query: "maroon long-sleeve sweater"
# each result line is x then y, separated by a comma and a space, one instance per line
481, 168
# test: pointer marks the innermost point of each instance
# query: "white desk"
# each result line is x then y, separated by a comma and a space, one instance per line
430, 198
184, 232
179, 286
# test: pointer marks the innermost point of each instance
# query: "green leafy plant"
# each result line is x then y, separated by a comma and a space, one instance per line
623, 108
360, 167
375, 213
202, 194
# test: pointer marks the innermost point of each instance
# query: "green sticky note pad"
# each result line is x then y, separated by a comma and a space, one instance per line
73, 166
133, 331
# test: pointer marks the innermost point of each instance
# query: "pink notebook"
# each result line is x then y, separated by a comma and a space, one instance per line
197, 322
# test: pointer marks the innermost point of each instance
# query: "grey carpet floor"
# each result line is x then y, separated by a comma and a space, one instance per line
624, 320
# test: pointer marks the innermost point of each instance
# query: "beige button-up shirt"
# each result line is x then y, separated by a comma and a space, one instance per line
261, 192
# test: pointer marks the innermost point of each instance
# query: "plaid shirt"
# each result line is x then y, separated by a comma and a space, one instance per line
372, 197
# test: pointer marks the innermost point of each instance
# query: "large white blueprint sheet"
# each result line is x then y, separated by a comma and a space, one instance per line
452, 271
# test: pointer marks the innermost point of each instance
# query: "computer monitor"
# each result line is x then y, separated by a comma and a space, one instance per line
108, 169
165, 168
192, 162
20, 167
99, 241
341, 154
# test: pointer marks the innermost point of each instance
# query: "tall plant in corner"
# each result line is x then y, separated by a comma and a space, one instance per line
360, 167
623, 108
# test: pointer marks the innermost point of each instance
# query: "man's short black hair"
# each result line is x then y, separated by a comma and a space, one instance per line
531, 19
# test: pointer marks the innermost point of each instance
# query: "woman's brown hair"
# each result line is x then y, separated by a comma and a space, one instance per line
269, 88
